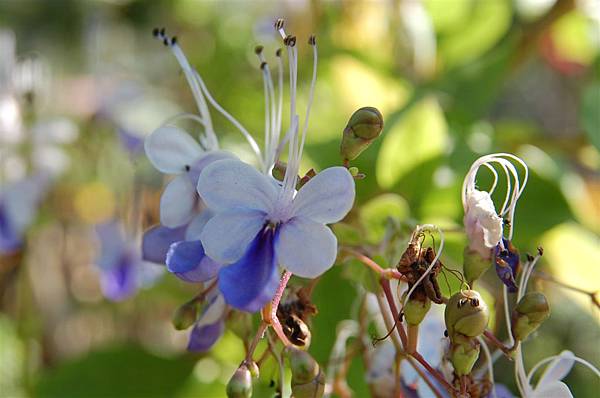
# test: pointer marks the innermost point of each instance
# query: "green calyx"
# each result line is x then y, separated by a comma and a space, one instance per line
466, 314
474, 265
415, 310
531, 311
464, 354
240, 384
307, 378
364, 126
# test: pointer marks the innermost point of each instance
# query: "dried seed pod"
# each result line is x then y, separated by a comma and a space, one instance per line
531, 311
364, 126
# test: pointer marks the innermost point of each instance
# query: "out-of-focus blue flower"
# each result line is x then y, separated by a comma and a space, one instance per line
19, 203
508, 264
122, 270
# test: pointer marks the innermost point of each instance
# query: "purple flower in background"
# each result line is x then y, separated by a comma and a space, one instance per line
19, 203
122, 269
210, 325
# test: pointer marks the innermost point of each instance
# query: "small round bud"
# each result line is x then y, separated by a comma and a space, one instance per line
364, 126
415, 310
474, 265
254, 369
353, 171
467, 314
240, 384
307, 378
186, 315
531, 311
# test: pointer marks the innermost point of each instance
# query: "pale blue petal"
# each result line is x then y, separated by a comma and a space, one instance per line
305, 248
206, 159
171, 149
112, 245
327, 197
178, 202
556, 389
197, 224
226, 236
228, 184
251, 282
558, 369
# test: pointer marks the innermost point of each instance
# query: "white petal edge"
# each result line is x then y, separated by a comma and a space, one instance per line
556, 389
170, 149
327, 197
177, 202
226, 235
558, 369
305, 248
229, 183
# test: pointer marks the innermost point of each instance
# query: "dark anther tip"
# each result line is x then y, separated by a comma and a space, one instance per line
258, 49
263, 65
174, 40
540, 250
155, 32
312, 40
279, 23
162, 31
166, 41
278, 52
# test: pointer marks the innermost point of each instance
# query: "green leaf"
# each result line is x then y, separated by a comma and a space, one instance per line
376, 211
116, 372
419, 136
590, 113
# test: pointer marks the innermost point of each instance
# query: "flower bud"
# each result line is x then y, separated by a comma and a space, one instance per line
464, 354
531, 311
364, 126
307, 378
240, 384
415, 310
186, 315
467, 314
474, 265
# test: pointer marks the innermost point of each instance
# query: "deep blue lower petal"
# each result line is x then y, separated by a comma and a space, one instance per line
507, 264
251, 282
187, 260
204, 337
157, 240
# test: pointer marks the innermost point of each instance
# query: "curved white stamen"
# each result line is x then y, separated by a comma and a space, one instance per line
310, 98
346, 330
495, 174
231, 119
527, 271
420, 229
489, 364
196, 91
280, 102
549, 359
267, 115
184, 115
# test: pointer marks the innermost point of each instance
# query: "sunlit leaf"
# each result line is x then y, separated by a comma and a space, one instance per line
419, 136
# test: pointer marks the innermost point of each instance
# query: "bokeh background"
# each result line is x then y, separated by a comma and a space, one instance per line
83, 81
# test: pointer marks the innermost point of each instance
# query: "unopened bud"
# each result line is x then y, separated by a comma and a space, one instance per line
474, 265
531, 311
307, 379
353, 171
464, 354
364, 126
415, 310
240, 384
467, 314
186, 315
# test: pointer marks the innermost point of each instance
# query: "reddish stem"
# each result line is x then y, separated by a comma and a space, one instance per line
494, 340
385, 284
275, 304
434, 372
387, 273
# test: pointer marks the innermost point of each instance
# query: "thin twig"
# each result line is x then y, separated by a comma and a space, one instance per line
498, 344
387, 273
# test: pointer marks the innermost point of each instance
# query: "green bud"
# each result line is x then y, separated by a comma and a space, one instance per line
464, 354
474, 265
364, 126
531, 311
307, 379
467, 314
415, 310
240, 384
186, 315
353, 171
